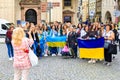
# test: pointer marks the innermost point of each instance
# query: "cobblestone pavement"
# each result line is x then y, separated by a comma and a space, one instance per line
57, 68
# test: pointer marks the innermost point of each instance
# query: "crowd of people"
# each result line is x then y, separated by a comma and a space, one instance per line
38, 33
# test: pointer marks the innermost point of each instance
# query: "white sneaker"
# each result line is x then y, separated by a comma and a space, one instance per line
53, 55
90, 61
108, 64
10, 59
93, 61
45, 55
59, 54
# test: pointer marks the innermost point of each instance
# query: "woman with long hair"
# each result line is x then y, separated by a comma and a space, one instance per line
35, 37
53, 33
21, 45
79, 28
84, 32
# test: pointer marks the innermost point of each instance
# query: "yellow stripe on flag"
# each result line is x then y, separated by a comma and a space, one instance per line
56, 44
94, 53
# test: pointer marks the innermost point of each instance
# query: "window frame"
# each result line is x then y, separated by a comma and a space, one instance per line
67, 3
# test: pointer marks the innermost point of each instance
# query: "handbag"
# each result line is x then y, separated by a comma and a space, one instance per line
106, 45
112, 49
33, 58
7, 40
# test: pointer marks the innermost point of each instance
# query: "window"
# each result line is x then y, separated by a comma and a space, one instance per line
67, 19
4, 27
67, 2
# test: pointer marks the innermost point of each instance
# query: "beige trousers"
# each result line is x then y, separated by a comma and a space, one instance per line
21, 74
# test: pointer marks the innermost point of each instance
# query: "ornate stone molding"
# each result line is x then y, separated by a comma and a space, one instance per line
29, 2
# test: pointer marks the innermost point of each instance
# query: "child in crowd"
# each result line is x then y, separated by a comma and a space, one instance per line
65, 51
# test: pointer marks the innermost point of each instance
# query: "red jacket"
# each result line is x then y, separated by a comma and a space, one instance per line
9, 34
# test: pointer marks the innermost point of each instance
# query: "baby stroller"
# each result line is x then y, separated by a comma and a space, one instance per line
65, 52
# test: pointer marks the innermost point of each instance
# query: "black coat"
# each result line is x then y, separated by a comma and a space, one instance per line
36, 36
72, 39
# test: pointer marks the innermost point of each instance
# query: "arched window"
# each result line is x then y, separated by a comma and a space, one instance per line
31, 16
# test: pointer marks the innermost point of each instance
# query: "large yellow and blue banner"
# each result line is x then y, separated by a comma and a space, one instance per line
57, 41
91, 48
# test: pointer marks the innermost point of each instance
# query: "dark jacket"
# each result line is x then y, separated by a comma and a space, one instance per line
116, 34
92, 34
72, 39
36, 36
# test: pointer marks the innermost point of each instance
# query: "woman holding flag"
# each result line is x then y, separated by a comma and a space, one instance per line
92, 34
53, 33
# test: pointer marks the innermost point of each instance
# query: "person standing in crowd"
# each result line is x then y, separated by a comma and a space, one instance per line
65, 30
109, 37
92, 34
41, 38
101, 31
53, 33
60, 33
115, 32
59, 30
35, 38
21, 45
26, 29
72, 42
8, 39
119, 37
45, 34
79, 28
116, 40
84, 32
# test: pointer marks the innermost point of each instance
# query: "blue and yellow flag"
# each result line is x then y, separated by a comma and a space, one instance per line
91, 48
57, 41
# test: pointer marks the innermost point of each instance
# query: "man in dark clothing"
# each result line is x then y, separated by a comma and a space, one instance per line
72, 42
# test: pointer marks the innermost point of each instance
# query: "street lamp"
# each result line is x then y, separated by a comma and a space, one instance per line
50, 6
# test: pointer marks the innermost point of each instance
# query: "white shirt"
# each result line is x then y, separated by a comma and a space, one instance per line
83, 33
107, 35
119, 34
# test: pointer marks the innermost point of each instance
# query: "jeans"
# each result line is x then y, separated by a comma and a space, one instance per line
35, 45
42, 49
10, 50
119, 44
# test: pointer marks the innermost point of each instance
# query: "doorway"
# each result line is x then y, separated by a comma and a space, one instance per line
67, 19
108, 17
31, 16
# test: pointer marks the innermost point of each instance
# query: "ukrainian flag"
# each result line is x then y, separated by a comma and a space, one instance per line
57, 41
91, 48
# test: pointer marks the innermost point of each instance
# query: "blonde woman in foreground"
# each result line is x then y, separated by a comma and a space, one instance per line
21, 45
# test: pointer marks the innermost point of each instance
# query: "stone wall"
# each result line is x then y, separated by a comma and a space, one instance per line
7, 10
108, 5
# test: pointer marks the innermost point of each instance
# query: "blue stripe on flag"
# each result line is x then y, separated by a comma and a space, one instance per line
96, 43
56, 39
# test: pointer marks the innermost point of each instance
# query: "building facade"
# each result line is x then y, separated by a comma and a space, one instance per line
92, 10
37, 10
107, 11
98, 16
7, 10
85, 10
